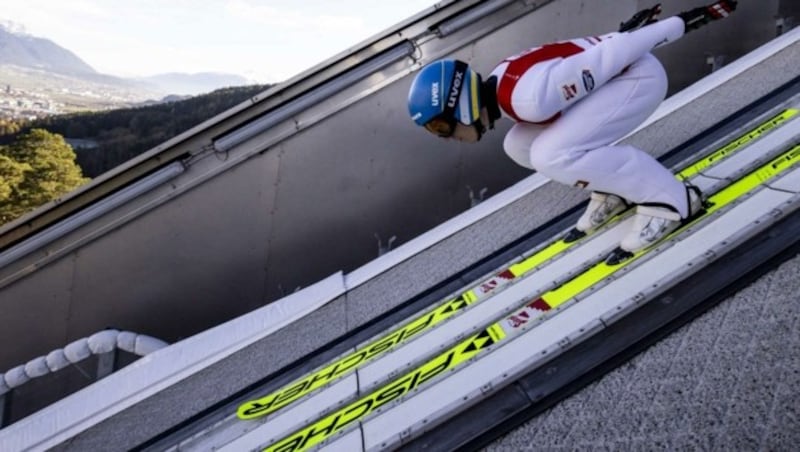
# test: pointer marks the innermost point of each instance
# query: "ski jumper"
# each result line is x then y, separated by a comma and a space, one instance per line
572, 99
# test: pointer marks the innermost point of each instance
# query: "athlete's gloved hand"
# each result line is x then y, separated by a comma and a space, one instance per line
642, 18
697, 17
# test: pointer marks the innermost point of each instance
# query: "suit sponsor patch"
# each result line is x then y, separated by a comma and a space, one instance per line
569, 91
588, 80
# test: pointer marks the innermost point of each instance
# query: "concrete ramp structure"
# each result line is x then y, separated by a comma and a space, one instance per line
329, 276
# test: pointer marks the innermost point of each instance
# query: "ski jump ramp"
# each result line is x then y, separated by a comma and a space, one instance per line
486, 316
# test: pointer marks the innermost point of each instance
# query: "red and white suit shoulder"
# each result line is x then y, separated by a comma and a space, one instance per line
526, 88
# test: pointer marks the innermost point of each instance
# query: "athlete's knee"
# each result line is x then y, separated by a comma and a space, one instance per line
546, 158
517, 146
648, 69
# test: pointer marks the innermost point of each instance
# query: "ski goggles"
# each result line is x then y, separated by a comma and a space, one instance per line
442, 126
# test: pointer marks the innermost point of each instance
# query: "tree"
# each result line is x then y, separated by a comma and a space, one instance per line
37, 168
11, 174
9, 126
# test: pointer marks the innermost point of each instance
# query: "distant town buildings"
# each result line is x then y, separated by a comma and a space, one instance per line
45, 95
23, 105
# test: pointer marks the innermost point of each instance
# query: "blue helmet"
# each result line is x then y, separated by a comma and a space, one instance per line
447, 90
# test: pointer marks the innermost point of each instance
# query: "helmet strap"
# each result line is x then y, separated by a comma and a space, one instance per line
479, 127
456, 86
489, 98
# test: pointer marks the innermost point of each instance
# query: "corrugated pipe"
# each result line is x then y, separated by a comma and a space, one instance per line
102, 342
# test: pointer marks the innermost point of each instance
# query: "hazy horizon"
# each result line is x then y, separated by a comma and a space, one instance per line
264, 41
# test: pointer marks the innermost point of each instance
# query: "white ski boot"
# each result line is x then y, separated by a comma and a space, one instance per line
654, 222
602, 208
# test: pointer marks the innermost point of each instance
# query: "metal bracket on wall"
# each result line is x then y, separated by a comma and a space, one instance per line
715, 62
475, 200
383, 249
783, 25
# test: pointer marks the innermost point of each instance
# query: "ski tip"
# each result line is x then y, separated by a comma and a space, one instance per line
618, 256
573, 235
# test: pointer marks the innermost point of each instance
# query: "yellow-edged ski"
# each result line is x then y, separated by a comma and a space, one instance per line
349, 362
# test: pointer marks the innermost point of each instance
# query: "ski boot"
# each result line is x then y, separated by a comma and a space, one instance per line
640, 19
697, 17
602, 207
654, 222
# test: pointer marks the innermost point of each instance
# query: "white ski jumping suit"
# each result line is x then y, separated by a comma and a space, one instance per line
572, 99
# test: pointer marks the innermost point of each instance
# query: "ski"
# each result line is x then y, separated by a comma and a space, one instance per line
510, 326
540, 255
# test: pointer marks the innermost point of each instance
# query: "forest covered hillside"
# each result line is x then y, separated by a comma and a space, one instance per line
104, 140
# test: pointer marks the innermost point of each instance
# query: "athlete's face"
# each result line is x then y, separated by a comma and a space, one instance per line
469, 134
465, 134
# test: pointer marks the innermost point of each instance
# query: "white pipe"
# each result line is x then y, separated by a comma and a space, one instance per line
98, 343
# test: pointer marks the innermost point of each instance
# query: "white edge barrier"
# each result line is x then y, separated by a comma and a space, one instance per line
101, 342
531, 183
161, 369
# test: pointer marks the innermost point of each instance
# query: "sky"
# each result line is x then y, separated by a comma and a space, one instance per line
266, 41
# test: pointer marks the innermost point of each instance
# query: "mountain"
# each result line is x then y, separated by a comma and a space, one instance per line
38, 53
20, 49
37, 71
192, 84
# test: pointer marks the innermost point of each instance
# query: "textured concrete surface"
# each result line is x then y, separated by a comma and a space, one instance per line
726, 381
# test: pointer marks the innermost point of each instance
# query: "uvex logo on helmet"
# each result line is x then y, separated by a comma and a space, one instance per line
458, 79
